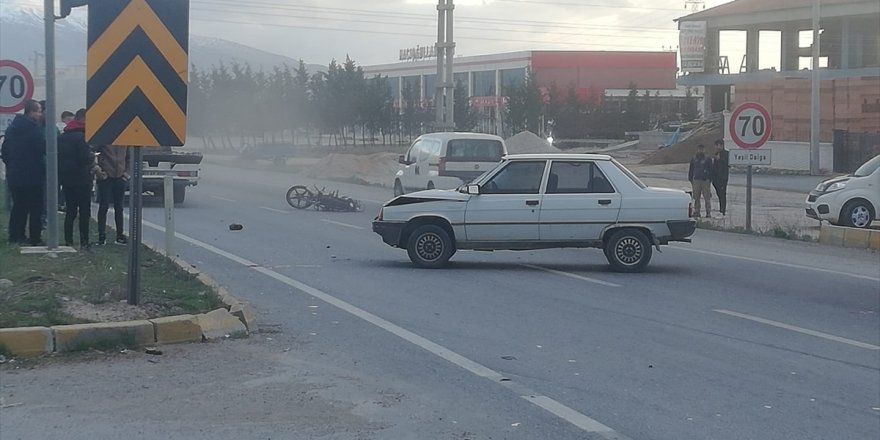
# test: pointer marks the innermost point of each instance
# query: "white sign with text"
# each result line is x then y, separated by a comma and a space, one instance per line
750, 157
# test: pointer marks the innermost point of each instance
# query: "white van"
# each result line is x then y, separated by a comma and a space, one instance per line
447, 160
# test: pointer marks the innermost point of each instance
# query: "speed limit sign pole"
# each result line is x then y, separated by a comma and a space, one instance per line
750, 126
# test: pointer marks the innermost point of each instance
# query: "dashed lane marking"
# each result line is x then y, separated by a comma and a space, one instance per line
222, 198
273, 210
777, 263
571, 275
800, 330
345, 225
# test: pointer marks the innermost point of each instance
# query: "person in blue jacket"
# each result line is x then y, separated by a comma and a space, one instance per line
24, 153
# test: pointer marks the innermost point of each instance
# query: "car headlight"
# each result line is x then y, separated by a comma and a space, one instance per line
836, 186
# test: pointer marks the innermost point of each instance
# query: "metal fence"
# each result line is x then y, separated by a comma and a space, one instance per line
851, 150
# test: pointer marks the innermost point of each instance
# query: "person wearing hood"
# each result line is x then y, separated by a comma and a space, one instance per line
75, 162
24, 153
700, 174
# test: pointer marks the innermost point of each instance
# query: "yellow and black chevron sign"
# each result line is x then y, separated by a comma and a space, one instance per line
137, 72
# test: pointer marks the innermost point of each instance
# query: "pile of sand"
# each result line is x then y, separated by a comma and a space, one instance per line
373, 169
528, 142
682, 152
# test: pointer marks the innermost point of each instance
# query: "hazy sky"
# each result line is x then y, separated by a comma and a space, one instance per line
372, 31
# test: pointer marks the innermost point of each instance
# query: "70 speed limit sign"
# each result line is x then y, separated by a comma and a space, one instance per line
750, 125
16, 86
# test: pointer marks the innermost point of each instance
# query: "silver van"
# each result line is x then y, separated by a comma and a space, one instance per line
447, 160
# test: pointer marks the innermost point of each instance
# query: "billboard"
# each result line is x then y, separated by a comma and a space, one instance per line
692, 45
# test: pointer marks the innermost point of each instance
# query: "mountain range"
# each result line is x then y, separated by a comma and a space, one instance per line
21, 39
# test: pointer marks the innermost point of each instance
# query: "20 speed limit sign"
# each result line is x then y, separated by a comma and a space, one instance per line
750, 125
16, 86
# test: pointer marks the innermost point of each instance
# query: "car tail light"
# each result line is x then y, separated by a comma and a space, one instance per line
186, 173
441, 167
381, 214
691, 209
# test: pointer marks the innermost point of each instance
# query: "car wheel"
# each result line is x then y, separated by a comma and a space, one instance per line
430, 247
430, 185
628, 250
398, 188
857, 214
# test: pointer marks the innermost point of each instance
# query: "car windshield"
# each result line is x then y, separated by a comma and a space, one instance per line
868, 167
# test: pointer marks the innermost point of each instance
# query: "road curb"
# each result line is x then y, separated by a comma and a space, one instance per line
849, 237
236, 319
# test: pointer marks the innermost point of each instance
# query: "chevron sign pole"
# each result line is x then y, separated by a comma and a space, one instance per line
137, 72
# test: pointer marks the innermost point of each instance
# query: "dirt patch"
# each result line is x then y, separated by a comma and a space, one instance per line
682, 152
373, 169
105, 312
528, 142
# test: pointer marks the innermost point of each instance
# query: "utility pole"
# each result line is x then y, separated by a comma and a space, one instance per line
814, 95
51, 129
445, 84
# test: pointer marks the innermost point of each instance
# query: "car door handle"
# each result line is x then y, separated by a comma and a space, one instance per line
605, 201
532, 202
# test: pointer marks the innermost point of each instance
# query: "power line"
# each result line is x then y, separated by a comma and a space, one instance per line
362, 31
588, 5
359, 20
386, 14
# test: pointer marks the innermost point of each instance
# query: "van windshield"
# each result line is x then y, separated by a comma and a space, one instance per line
474, 150
868, 167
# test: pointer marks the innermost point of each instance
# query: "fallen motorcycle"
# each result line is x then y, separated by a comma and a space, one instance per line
301, 197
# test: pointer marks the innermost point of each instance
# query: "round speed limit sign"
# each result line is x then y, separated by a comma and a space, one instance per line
16, 86
750, 125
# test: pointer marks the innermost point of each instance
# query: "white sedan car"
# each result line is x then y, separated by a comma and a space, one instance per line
541, 201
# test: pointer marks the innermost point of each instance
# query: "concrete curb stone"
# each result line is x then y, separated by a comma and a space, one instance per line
83, 336
220, 324
177, 329
27, 342
849, 237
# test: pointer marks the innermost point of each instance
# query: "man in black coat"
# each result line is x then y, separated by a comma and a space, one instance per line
24, 153
721, 174
75, 163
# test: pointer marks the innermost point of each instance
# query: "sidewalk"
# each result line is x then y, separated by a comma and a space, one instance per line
772, 209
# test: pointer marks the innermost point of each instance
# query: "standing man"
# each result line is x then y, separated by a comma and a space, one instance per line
24, 153
75, 160
700, 174
113, 161
721, 174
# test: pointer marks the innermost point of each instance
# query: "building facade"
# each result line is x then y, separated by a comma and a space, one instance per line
777, 74
488, 78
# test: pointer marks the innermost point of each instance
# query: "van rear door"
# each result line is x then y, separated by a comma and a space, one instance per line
467, 159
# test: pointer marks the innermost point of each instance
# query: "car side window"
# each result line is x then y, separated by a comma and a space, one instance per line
577, 177
518, 177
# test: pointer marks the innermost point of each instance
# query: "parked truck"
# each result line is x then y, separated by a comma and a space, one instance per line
159, 161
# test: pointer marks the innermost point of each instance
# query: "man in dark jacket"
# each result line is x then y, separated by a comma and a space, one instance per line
24, 153
699, 174
75, 160
721, 174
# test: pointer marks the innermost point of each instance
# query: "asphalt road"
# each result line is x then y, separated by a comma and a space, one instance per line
731, 337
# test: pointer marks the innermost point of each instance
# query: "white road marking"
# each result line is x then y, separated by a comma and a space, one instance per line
800, 330
341, 224
274, 210
571, 275
777, 263
223, 198
577, 419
